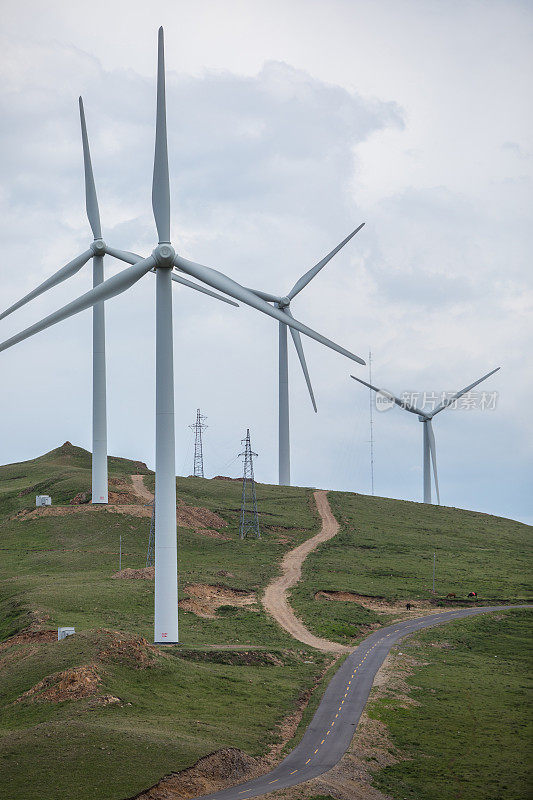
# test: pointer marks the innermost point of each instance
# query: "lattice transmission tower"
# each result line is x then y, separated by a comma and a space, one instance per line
198, 451
249, 517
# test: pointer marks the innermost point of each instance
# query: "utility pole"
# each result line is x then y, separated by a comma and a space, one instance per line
249, 517
198, 452
371, 406
434, 559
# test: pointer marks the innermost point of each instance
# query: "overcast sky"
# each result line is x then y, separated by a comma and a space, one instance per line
290, 123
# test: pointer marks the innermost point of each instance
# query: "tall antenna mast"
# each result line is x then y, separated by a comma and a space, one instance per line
371, 406
198, 452
249, 517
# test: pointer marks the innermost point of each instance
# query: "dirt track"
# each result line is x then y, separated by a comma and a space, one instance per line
140, 489
275, 597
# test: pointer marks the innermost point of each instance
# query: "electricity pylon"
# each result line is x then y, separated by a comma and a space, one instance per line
249, 518
198, 452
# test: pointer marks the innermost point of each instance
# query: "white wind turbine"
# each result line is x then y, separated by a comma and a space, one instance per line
428, 446
97, 250
283, 303
162, 259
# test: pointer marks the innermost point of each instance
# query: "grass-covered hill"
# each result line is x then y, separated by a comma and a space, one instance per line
103, 714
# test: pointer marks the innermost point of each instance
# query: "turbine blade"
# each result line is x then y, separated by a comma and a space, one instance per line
450, 400
271, 298
160, 182
58, 277
133, 258
224, 284
304, 280
401, 403
123, 255
433, 451
202, 289
109, 288
296, 338
91, 201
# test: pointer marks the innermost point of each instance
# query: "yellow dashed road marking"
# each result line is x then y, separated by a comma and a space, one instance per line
292, 773
275, 781
308, 760
322, 742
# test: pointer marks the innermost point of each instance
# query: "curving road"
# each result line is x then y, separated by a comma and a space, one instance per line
331, 730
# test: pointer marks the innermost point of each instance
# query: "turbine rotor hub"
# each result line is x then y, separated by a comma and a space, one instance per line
98, 247
284, 302
164, 255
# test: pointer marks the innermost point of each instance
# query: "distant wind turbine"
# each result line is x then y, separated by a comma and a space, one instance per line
162, 259
283, 303
429, 449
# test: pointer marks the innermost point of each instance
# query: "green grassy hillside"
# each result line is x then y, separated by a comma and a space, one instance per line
103, 714
385, 550
472, 677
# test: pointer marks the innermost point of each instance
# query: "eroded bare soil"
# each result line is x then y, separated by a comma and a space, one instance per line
204, 600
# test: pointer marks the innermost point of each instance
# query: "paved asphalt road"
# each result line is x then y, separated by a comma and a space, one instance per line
332, 728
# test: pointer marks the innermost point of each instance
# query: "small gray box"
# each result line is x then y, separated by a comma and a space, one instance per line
63, 632
43, 500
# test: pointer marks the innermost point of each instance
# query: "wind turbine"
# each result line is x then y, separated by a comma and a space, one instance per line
283, 303
162, 259
428, 442
97, 250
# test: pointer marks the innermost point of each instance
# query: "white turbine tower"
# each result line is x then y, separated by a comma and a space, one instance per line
162, 259
283, 303
97, 251
429, 453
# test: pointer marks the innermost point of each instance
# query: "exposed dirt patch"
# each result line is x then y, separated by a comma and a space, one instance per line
380, 604
275, 599
140, 489
145, 573
105, 700
29, 637
204, 600
134, 651
71, 684
215, 771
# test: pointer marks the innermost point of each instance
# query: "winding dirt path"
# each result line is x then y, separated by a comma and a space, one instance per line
275, 599
140, 489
